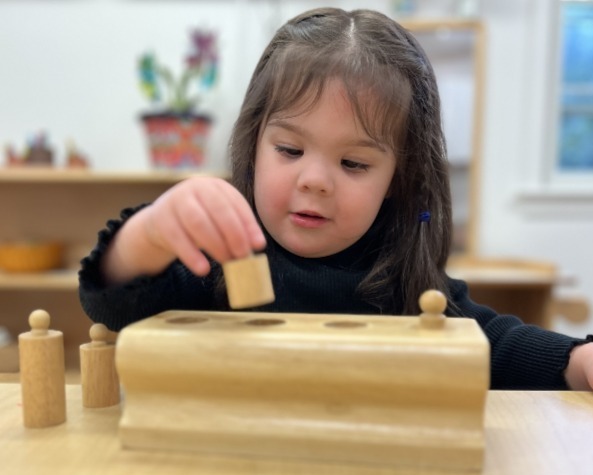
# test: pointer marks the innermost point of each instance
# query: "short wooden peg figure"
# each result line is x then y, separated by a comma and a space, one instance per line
433, 304
43, 381
99, 381
248, 281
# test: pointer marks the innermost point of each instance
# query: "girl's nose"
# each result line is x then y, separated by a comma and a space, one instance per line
315, 177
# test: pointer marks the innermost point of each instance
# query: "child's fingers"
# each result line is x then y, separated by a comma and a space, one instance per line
189, 253
195, 261
255, 234
213, 216
224, 214
173, 236
202, 231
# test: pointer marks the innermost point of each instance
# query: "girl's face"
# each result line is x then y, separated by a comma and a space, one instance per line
319, 178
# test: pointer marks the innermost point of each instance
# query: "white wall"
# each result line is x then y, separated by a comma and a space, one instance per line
68, 67
523, 213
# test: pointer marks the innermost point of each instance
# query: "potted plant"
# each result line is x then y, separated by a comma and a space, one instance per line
177, 134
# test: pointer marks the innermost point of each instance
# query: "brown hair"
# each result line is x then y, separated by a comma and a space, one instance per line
369, 53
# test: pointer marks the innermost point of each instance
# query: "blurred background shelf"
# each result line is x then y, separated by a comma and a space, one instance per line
69, 206
75, 176
51, 280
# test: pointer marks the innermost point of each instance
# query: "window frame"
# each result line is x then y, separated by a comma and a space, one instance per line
557, 177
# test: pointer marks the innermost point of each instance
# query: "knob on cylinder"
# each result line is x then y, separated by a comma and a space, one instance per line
433, 304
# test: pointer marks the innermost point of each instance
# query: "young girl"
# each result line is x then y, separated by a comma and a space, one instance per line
339, 171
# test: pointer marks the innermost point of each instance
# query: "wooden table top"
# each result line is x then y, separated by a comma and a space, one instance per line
526, 433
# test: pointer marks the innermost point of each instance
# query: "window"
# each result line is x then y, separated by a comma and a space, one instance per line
575, 133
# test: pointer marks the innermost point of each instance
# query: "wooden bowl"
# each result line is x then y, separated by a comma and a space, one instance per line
30, 256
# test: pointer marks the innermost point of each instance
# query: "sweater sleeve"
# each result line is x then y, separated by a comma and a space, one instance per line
119, 305
522, 356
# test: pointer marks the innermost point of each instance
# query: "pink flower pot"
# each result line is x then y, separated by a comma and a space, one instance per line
177, 141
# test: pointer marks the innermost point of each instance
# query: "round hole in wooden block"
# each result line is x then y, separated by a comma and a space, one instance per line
186, 320
345, 324
265, 322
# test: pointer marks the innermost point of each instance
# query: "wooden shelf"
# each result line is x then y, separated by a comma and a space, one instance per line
503, 276
69, 206
54, 280
435, 24
483, 271
58, 176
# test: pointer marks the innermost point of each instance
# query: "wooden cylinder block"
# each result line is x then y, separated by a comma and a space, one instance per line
248, 281
356, 389
42, 366
99, 381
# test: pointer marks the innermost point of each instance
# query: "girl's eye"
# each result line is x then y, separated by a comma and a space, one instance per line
354, 166
288, 151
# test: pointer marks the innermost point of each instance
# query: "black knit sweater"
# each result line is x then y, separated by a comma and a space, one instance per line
522, 356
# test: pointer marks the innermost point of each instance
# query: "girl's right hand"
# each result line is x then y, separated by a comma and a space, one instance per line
200, 215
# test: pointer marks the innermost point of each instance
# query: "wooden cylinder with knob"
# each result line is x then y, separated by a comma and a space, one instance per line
98, 376
433, 304
42, 367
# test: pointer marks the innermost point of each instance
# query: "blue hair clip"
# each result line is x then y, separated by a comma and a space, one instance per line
424, 217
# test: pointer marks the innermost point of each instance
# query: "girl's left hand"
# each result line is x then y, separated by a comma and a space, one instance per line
579, 373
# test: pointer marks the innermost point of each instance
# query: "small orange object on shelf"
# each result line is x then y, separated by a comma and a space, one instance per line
30, 256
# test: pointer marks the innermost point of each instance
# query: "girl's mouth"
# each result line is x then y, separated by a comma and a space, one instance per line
307, 219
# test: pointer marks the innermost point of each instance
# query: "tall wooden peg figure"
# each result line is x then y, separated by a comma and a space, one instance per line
42, 367
433, 304
98, 376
